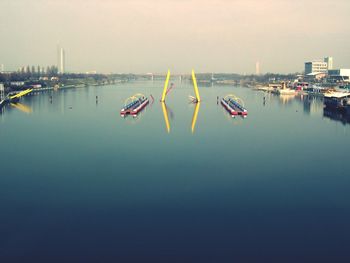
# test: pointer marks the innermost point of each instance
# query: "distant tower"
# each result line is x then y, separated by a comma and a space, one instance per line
329, 61
257, 68
61, 60
2, 68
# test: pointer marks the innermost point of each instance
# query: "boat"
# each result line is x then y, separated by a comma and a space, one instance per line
283, 90
286, 91
234, 106
337, 100
134, 104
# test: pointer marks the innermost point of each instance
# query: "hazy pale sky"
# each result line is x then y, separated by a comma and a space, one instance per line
154, 35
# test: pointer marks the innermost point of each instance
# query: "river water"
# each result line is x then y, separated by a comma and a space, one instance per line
79, 183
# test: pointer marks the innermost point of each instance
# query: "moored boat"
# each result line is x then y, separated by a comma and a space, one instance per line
316, 91
337, 100
286, 91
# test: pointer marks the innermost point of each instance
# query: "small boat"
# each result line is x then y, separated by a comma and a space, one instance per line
134, 104
283, 90
234, 106
286, 91
317, 91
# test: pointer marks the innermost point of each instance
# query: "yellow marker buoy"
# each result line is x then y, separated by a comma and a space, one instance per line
165, 86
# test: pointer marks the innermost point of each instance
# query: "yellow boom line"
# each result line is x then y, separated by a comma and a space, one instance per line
165, 86
195, 86
20, 94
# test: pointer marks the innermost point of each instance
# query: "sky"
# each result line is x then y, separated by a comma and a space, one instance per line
141, 36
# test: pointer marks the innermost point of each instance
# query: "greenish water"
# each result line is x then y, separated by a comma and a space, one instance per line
79, 183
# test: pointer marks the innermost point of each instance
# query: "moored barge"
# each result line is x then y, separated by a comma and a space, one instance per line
234, 106
134, 105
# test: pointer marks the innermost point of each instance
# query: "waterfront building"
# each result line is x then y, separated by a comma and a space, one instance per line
316, 67
315, 76
319, 66
61, 60
17, 83
339, 75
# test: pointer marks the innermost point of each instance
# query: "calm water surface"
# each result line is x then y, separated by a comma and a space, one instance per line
79, 183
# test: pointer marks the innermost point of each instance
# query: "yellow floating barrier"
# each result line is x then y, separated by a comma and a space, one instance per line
20, 94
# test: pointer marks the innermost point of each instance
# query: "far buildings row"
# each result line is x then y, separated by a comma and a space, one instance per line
320, 69
61, 64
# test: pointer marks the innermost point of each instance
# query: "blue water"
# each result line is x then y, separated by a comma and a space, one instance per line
79, 183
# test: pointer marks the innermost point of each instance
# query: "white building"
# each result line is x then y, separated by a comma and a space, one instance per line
316, 67
342, 75
319, 66
61, 60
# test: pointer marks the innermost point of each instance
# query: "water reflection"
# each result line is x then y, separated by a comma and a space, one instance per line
286, 99
336, 115
22, 107
195, 115
166, 117
312, 105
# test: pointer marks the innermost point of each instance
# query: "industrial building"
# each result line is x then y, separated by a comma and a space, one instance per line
339, 75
